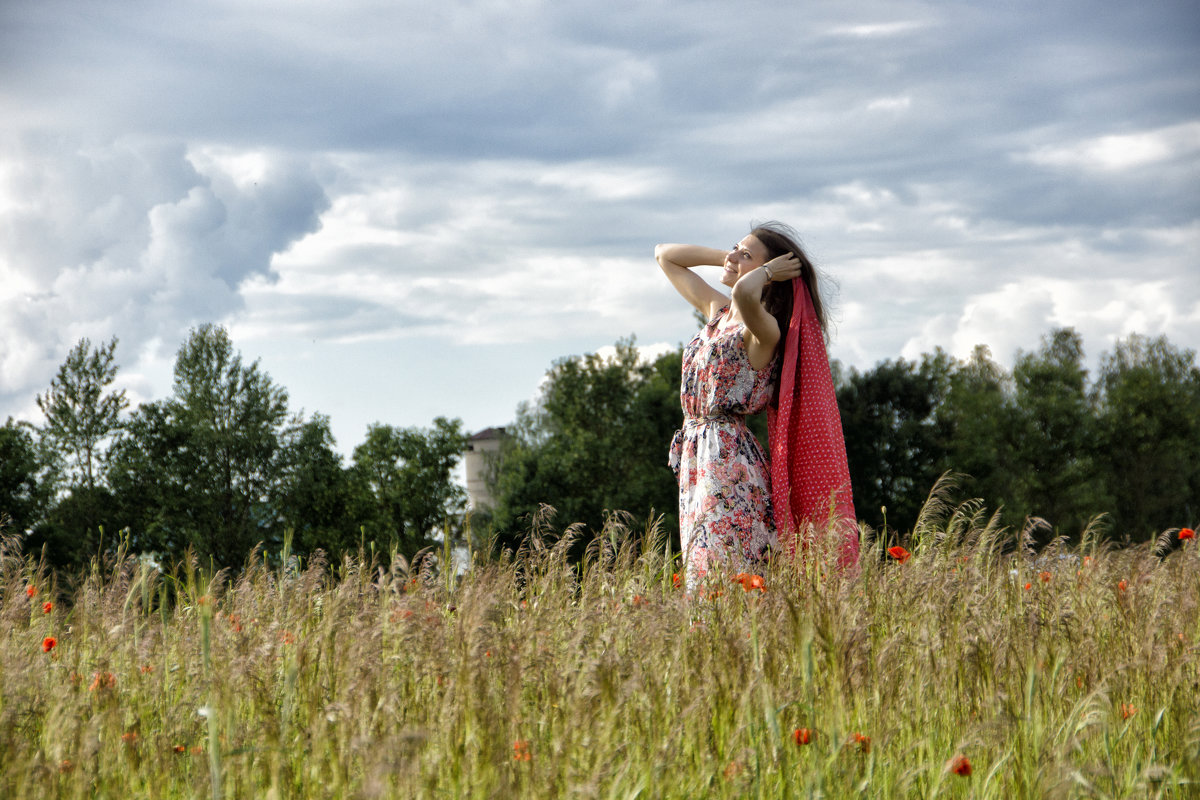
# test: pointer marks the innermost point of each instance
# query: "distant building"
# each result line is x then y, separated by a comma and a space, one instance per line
477, 461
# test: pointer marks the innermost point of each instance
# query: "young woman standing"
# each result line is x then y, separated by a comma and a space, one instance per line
764, 348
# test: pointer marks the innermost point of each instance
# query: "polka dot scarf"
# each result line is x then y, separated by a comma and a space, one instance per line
810, 480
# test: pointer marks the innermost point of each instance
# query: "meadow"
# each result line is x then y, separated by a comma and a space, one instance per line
966, 665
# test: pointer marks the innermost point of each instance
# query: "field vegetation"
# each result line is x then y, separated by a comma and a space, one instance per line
955, 663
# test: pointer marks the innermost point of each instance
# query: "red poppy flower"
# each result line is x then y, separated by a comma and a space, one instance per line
1028, 586
521, 751
1122, 585
1127, 710
899, 553
1045, 576
30, 590
47, 607
960, 765
676, 580
1187, 533
862, 742
801, 736
48, 644
102, 680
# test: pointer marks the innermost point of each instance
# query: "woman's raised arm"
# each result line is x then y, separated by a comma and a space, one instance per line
677, 261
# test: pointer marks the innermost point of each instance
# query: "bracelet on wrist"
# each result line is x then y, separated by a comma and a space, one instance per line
767, 269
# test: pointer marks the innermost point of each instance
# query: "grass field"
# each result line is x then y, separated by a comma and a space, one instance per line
1072, 673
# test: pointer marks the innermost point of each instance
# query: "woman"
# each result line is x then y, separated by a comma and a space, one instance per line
756, 353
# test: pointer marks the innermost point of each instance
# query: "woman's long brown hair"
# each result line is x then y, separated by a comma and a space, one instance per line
779, 239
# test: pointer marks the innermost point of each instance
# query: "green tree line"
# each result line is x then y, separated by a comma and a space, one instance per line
219, 466
222, 464
1039, 442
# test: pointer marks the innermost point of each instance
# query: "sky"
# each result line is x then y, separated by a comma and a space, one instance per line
406, 210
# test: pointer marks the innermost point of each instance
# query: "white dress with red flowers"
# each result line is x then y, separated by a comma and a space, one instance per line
725, 512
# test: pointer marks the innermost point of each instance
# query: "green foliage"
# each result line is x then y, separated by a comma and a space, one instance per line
22, 492
204, 469
595, 443
80, 416
977, 417
894, 445
1055, 436
316, 491
402, 490
1148, 434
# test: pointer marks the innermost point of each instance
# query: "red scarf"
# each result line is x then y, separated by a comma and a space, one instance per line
810, 480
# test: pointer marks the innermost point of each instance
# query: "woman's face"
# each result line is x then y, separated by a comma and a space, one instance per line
746, 255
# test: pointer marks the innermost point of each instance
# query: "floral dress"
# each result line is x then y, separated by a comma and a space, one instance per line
724, 481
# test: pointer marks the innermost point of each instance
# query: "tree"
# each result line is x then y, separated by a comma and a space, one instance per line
204, 468
80, 416
22, 493
316, 493
1055, 435
595, 442
893, 443
1148, 397
403, 491
979, 419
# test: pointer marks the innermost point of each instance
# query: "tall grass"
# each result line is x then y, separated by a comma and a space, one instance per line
1067, 673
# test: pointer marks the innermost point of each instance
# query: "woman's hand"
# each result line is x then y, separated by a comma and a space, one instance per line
783, 268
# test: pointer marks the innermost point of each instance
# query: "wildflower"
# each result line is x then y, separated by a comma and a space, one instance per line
749, 582
147, 668
180, 748
802, 736
47, 607
862, 742
1045, 576
899, 553
30, 590
676, 580
1127, 710
129, 738
1028, 586
1122, 585
65, 765
960, 765
102, 680
521, 751
1186, 533
48, 644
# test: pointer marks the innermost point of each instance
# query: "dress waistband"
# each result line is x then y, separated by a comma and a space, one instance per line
690, 424
733, 419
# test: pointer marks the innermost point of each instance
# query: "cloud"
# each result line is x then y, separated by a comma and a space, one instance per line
140, 241
430, 183
1121, 152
